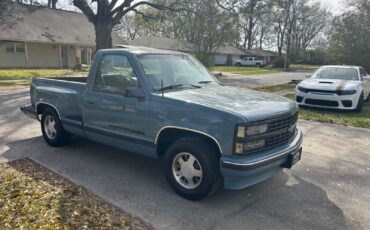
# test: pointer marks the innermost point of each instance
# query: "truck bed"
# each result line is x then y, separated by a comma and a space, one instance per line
72, 79
63, 93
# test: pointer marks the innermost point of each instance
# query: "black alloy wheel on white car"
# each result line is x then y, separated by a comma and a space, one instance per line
368, 98
360, 103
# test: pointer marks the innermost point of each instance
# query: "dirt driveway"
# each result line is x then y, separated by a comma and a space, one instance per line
328, 189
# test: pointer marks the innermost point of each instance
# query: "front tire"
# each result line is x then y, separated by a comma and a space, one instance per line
238, 64
191, 167
52, 129
360, 103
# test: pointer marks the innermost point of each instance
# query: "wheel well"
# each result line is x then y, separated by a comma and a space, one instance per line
170, 135
42, 106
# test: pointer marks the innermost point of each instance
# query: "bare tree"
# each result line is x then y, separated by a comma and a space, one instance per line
109, 13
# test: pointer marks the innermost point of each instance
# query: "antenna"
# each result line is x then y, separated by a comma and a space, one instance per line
162, 87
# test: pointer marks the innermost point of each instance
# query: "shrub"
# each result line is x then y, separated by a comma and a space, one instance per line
81, 67
279, 62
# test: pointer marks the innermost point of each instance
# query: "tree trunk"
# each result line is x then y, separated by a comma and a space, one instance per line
54, 4
103, 33
250, 30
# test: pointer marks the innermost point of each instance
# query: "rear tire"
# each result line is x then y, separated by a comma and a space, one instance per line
258, 65
360, 103
368, 98
52, 129
191, 167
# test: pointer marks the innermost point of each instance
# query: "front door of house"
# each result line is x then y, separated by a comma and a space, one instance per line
64, 56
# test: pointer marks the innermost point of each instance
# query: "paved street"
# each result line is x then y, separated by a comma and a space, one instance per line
328, 189
254, 81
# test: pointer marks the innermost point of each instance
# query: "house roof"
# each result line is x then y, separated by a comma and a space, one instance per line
179, 45
163, 43
229, 50
261, 53
20, 22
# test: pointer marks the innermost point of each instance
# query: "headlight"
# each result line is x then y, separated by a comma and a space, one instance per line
257, 129
347, 92
241, 148
251, 130
301, 89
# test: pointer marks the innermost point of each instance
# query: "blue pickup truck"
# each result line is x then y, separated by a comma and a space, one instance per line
166, 105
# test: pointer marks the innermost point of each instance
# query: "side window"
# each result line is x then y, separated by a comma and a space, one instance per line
114, 75
251, 59
363, 72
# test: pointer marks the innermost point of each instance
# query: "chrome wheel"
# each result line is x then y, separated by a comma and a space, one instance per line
49, 127
187, 170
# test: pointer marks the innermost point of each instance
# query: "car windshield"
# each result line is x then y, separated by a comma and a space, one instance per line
174, 70
337, 73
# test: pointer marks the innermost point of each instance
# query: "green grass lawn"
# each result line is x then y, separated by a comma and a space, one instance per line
347, 118
243, 70
277, 88
303, 67
23, 77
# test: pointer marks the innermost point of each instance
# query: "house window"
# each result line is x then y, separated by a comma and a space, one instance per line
14, 47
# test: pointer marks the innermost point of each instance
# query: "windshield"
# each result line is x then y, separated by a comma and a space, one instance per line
337, 73
174, 70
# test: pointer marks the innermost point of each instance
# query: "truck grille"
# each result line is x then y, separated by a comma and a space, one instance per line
285, 127
283, 123
322, 102
279, 139
280, 132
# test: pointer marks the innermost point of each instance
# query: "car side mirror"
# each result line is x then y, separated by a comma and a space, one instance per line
308, 75
135, 92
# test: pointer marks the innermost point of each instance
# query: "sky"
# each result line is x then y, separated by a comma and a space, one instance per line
335, 6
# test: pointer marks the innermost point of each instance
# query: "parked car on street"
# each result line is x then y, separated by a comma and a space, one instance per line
249, 61
165, 104
336, 87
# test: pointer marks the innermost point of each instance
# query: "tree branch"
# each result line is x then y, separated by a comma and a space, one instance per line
85, 8
119, 12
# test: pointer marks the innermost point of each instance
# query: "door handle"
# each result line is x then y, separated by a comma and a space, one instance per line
90, 102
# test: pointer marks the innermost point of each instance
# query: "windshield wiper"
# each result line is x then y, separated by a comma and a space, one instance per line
205, 82
177, 86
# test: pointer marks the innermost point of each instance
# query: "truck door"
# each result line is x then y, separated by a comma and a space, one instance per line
251, 61
111, 117
244, 61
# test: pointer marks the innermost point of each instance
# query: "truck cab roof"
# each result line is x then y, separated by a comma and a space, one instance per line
139, 50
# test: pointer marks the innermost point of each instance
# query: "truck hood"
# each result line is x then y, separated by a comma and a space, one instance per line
328, 84
252, 105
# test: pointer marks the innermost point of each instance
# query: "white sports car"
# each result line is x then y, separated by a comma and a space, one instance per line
338, 87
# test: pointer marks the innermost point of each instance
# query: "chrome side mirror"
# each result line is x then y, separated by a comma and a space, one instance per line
308, 75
